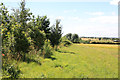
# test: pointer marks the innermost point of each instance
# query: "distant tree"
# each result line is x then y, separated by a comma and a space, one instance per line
56, 33
100, 38
69, 36
75, 38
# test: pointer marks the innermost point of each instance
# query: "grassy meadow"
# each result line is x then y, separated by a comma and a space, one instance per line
75, 61
35, 47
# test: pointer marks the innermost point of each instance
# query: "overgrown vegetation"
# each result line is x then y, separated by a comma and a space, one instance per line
23, 34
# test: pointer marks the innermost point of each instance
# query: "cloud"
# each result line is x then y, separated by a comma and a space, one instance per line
96, 30
56, 17
60, 17
114, 2
74, 18
95, 13
66, 18
105, 19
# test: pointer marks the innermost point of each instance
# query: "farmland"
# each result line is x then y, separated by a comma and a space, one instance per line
76, 61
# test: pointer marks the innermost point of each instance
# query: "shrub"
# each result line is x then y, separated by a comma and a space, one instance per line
14, 71
9, 70
65, 42
38, 38
47, 50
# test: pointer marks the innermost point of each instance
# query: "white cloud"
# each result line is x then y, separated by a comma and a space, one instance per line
101, 26
96, 30
114, 2
56, 17
95, 13
105, 19
74, 18
66, 18
60, 17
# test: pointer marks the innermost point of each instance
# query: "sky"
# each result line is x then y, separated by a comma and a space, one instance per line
90, 18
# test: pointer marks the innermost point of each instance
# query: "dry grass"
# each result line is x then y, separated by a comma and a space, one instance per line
100, 45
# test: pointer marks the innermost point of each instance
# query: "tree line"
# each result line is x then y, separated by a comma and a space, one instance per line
22, 33
74, 38
21, 30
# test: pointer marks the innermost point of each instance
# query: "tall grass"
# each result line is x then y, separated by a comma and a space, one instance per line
87, 62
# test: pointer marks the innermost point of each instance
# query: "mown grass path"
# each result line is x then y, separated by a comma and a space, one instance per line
76, 61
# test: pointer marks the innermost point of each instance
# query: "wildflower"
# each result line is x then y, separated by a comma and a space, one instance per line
3, 55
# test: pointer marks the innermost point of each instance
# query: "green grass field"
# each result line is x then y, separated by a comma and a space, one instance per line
75, 61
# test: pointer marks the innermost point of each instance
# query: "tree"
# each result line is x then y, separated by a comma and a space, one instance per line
37, 34
69, 36
99, 38
7, 43
5, 27
38, 37
56, 33
24, 15
16, 15
43, 24
4, 15
22, 41
75, 38
20, 31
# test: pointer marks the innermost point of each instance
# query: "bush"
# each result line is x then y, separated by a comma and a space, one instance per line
38, 38
47, 50
65, 42
14, 71
10, 70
